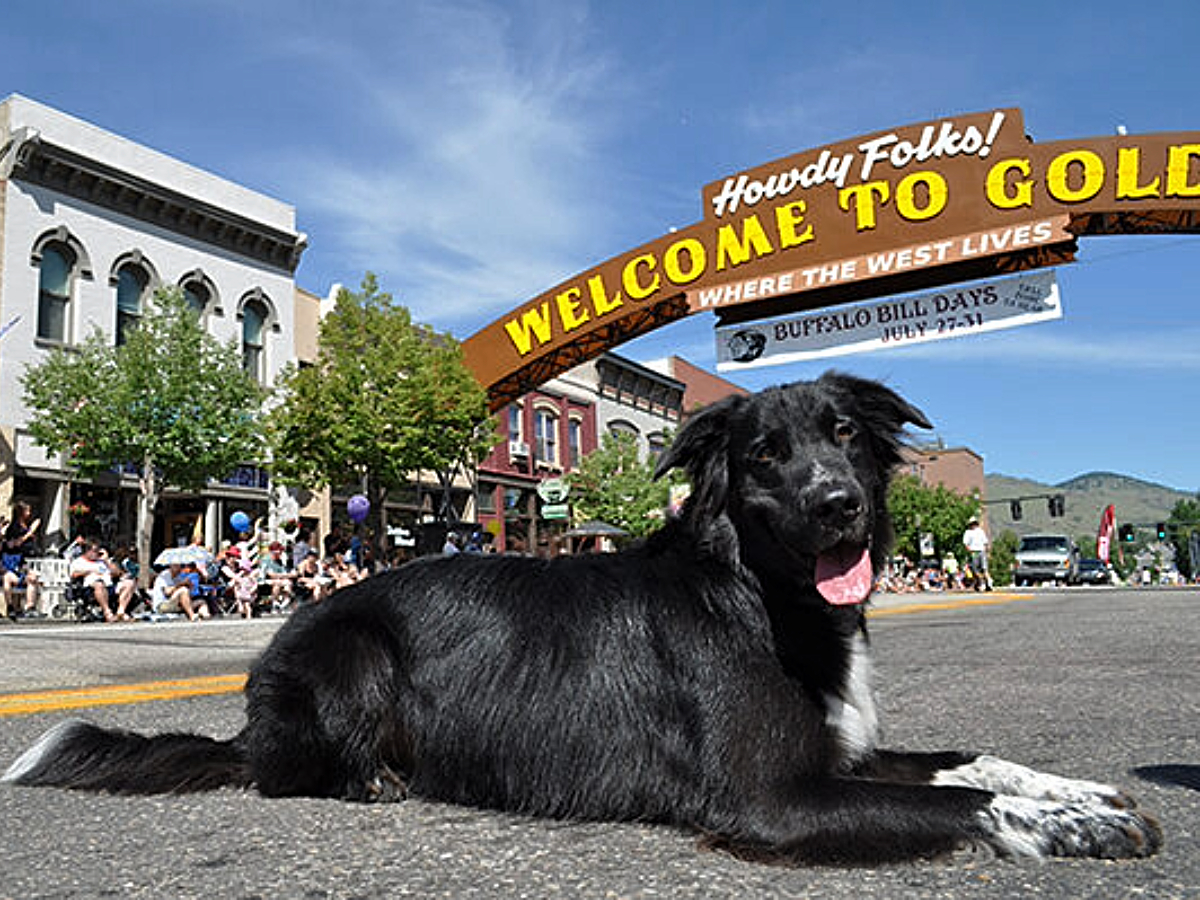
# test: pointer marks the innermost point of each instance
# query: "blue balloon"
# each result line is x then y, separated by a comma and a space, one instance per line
357, 508
240, 522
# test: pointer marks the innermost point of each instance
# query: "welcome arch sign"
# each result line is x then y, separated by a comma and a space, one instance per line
915, 207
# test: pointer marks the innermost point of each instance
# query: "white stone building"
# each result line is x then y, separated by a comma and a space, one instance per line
630, 399
90, 225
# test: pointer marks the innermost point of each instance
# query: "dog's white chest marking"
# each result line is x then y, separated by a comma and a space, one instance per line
851, 714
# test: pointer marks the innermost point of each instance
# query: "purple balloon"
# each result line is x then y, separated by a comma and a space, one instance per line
357, 507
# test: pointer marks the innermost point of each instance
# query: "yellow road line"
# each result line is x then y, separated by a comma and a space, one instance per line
116, 694
147, 691
990, 600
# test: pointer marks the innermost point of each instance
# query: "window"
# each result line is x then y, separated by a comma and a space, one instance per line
487, 497
60, 260
132, 282
619, 427
55, 272
254, 327
514, 423
657, 443
574, 442
200, 293
545, 423
197, 297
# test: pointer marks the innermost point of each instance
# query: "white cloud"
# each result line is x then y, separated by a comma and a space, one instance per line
480, 176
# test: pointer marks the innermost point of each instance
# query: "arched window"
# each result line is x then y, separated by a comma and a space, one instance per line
545, 428
56, 270
200, 293
133, 283
197, 297
257, 314
254, 330
657, 443
68, 261
620, 426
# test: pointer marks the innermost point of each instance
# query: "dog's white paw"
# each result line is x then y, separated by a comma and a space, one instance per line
1021, 826
1000, 776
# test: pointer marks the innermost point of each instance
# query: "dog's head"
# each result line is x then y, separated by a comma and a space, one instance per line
792, 482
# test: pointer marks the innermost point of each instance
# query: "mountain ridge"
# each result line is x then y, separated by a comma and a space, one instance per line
1137, 501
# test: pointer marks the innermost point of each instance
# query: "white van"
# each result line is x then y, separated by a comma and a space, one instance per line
1046, 557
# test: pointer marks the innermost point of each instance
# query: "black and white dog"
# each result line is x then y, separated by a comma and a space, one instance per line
714, 677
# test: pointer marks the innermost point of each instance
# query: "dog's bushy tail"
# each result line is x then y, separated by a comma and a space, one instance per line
83, 756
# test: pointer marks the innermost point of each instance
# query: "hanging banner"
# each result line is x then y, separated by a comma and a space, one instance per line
965, 309
961, 198
1108, 525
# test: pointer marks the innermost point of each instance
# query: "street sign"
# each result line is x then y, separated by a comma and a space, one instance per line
553, 490
554, 510
957, 311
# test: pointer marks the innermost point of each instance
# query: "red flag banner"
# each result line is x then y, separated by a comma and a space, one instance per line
1108, 525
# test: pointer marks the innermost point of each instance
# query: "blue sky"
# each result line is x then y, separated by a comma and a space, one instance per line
474, 154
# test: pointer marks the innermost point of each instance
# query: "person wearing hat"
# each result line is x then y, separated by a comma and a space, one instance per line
976, 541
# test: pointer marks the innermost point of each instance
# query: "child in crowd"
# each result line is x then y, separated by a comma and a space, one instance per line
244, 584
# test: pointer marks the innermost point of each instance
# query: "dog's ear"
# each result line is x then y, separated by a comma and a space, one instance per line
882, 410
701, 449
875, 403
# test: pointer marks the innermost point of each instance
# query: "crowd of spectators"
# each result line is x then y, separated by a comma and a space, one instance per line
902, 576
243, 578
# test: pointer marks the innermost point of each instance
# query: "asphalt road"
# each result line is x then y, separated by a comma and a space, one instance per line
1100, 684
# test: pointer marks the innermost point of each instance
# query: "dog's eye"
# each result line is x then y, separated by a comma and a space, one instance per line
844, 431
763, 452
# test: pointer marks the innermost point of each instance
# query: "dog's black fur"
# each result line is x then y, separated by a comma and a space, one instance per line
697, 679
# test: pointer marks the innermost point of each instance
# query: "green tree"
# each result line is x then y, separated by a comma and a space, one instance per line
386, 399
1184, 521
613, 485
1002, 556
919, 509
172, 400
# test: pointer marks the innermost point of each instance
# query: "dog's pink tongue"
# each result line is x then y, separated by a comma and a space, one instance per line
844, 577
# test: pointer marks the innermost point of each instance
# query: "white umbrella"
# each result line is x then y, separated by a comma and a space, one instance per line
181, 556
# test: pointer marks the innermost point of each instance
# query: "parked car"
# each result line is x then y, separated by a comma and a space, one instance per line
1092, 571
1046, 557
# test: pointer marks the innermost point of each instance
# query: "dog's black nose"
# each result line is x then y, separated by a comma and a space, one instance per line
838, 505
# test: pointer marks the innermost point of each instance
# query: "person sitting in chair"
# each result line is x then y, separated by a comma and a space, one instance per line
172, 593
95, 570
279, 577
15, 547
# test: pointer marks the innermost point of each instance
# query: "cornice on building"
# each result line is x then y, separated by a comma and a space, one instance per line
30, 158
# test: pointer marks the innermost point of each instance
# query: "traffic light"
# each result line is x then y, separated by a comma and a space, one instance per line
1057, 505
1127, 534
1014, 507
1162, 531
